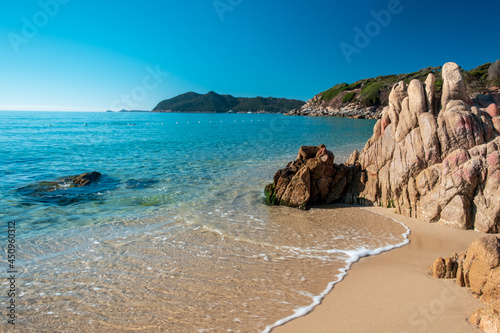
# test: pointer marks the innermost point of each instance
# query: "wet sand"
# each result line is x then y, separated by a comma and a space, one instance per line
395, 292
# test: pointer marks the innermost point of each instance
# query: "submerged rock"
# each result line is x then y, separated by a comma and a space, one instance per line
67, 190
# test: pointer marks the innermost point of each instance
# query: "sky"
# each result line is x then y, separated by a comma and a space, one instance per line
74, 55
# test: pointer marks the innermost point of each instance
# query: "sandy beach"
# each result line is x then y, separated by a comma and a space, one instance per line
395, 292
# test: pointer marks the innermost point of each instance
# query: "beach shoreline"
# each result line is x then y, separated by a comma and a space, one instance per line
395, 291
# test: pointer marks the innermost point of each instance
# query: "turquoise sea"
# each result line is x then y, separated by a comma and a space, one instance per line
174, 237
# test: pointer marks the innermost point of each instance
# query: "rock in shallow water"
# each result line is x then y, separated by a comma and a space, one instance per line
84, 179
67, 190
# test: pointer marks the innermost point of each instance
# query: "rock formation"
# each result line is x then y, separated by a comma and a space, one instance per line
435, 163
488, 320
84, 179
349, 110
479, 270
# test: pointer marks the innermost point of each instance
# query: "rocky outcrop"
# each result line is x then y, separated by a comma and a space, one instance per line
83, 179
443, 168
67, 190
487, 320
438, 166
482, 270
350, 110
313, 178
479, 270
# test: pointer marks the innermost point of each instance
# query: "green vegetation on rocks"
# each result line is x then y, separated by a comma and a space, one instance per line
348, 97
375, 91
334, 91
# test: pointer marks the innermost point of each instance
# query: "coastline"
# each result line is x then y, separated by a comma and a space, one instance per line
394, 291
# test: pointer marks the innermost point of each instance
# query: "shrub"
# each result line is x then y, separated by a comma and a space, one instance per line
333, 92
348, 97
370, 94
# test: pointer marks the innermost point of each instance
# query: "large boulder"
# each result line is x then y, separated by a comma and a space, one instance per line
487, 320
491, 289
483, 255
479, 269
307, 180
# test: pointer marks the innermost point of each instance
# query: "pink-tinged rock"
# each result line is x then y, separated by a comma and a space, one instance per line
493, 161
492, 109
458, 157
488, 127
385, 122
458, 128
496, 123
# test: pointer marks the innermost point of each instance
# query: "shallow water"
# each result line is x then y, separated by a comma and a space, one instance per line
175, 237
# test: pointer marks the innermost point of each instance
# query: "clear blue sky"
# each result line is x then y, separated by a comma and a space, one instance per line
97, 55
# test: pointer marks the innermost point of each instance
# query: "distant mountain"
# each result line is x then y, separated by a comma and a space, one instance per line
123, 110
213, 102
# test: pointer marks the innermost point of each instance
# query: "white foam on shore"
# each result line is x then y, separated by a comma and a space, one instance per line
354, 256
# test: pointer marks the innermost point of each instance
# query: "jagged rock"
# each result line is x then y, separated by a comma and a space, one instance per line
446, 268
85, 178
439, 268
298, 191
306, 152
430, 94
308, 180
451, 267
488, 320
479, 269
483, 255
460, 269
353, 158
